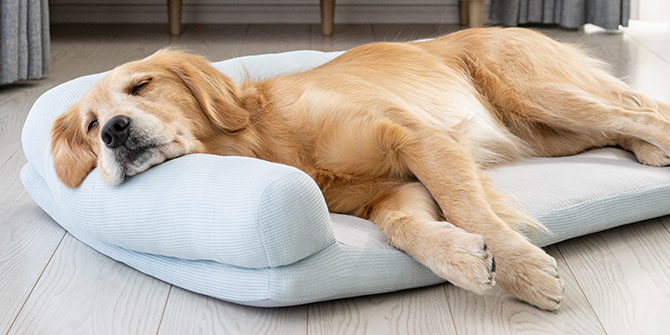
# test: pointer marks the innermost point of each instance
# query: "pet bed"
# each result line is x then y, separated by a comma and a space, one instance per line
258, 233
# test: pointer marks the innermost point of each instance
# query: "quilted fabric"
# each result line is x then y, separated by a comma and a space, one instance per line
259, 233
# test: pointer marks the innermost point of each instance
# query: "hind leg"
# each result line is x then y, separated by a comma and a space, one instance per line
559, 119
562, 101
552, 142
645, 152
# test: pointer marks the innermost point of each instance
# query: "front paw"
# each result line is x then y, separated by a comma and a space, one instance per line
531, 275
460, 257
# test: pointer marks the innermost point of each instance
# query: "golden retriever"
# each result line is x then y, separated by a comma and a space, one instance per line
398, 133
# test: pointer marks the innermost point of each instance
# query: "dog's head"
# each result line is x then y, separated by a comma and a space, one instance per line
143, 113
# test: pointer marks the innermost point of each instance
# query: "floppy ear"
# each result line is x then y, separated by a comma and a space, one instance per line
72, 154
217, 95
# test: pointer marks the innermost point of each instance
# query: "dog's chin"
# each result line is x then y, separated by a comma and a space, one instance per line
143, 161
115, 167
112, 175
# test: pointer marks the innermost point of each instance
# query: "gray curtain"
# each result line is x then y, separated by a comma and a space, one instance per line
24, 39
608, 14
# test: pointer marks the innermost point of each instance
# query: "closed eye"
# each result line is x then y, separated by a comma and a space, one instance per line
92, 125
135, 90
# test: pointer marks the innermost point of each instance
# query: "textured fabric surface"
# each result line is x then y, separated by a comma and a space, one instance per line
609, 14
586, 193
24, 39
259, 233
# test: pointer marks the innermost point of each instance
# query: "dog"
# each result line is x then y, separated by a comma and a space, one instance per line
397, 133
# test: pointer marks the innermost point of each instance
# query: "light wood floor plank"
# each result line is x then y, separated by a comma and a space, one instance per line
403, 33
665, 221
655, 36
216, 42
499, 312
636, 63
15, 102
443, 29
263, 39
28, 239
418, 311
82, 50
190, 313
625, 274
344, 37
85, 292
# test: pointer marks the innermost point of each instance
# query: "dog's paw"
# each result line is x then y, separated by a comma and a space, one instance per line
531, 275
461, 258
649, 154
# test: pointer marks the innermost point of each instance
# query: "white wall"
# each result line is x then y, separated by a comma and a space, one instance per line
650, 10
254, 11
654, 10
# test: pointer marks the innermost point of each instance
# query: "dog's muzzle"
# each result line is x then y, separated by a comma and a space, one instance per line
116, 131
130, 148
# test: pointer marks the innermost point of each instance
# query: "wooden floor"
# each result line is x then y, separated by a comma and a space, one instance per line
617, 282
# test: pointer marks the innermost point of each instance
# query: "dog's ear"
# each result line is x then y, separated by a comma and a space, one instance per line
72, 154
217, 95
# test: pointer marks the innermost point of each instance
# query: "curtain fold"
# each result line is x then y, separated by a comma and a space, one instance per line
609, 14
24, 39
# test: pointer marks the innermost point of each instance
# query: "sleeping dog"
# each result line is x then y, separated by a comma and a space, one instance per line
397, 133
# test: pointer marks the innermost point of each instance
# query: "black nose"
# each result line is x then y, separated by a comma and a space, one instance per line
115, 131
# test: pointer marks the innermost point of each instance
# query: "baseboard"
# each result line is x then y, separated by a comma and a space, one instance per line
210, 12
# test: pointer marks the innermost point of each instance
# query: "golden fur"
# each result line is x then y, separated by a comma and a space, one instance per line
398, 133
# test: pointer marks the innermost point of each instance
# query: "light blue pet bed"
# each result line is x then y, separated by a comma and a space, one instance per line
258, 233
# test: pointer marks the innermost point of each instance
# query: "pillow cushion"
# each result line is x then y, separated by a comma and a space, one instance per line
259, 233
